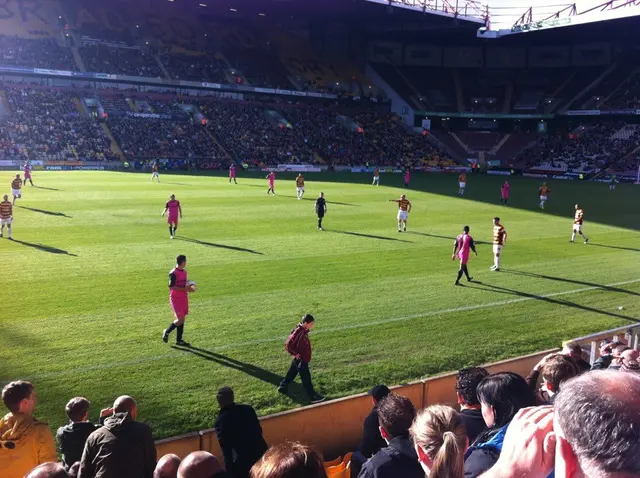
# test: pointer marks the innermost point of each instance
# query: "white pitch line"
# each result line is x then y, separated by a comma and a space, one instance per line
341, 328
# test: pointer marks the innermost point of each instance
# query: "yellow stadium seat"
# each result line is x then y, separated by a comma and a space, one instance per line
344, 473
334, 470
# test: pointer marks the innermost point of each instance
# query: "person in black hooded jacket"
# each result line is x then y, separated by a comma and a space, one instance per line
121, 448
398, 458
73, 436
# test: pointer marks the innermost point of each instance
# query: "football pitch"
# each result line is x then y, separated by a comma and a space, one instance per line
84, 299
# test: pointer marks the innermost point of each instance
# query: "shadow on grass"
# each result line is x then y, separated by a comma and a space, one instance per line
221, 246
570, 281
622, 248
328, 202
296, 392
43, 211
567, 303
44, 248
369, 236
174, 184
48, 189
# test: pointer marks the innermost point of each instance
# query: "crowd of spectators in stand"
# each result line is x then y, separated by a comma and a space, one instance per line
586, 149
203, 67
46, 125
119, 61
35, 53
252, 136
568, 416
163, 138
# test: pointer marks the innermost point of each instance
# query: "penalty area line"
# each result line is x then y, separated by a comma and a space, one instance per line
106, 366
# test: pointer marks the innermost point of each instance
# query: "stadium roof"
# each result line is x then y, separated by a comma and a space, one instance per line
516, 16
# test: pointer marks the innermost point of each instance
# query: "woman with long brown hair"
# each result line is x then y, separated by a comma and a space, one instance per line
440, 439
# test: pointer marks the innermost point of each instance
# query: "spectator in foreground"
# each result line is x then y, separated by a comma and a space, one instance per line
440, 440
597, 426
593, 431
554, 369
630, 361
48, 470
399, 458
574, 351
467, 391
73, 436
239, 434
167, 466
501, 396
288, 460
26, 442
372, 441
608, 352
122, 448
201, 464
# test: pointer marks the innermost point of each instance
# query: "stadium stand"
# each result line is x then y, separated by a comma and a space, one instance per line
119, 59
35, 53
46, 124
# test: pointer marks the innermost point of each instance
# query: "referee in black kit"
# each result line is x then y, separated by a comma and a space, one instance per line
321, 209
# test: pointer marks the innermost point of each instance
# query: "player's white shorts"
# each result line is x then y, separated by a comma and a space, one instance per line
543, 198
577, 228
376, 178
6, 222
155, 175
497, 249
16, 193
300, 190
462, 185
402, 215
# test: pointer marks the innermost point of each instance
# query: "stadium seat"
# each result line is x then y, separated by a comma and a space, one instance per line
337, 461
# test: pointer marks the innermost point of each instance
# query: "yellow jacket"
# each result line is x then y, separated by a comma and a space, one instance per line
24, 444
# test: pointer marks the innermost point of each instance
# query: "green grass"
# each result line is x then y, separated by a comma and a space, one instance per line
84, 295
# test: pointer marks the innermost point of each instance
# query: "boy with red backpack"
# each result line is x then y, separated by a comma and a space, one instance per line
299, 346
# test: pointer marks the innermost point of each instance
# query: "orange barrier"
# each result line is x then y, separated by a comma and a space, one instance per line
181, 445
335, 427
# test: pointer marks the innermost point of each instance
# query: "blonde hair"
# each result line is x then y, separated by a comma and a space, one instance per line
439, 431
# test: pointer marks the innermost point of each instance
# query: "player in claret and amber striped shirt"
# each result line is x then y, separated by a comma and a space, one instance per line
6, 215
577, 224
544, 192
300, 186
16, 188
404, 208
499, 240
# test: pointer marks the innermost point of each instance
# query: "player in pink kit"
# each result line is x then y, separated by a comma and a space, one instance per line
407, 177
232, 174
173, 206
272, 183
179, 299
27, 173
504, 193
464, 243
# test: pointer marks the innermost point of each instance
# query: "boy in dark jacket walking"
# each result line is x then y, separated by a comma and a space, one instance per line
399, 458
299, 346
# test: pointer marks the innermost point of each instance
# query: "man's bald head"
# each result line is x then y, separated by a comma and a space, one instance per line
598, 418
199, 464
630, 354
126, 404
48, 470
167, 467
